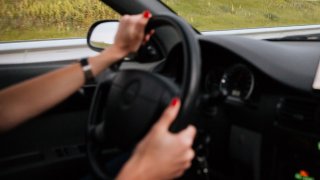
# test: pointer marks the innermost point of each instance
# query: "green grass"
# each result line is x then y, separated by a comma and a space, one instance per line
43, 19
237, 14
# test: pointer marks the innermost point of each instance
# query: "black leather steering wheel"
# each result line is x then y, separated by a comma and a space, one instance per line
127, 103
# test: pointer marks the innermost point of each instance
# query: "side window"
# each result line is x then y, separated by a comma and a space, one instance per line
23, 20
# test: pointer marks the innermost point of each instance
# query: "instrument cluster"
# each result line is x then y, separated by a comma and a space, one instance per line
235, 82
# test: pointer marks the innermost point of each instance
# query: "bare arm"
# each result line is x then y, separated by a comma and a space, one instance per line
30, 98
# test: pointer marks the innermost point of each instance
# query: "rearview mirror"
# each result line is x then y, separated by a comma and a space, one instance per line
102, 34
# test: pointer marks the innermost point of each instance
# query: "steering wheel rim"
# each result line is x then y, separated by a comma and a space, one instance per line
189, 88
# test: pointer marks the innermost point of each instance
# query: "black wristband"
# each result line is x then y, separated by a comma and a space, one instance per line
86, 68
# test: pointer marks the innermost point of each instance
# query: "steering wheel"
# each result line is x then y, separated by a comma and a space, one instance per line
127, 103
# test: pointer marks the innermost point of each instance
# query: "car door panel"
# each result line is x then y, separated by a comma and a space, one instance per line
51, 141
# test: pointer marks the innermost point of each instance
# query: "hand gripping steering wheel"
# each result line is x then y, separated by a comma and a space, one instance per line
127, 103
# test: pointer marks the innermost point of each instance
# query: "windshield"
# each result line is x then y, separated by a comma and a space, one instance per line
207, 15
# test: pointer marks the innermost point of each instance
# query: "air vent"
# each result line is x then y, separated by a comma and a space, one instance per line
297, 111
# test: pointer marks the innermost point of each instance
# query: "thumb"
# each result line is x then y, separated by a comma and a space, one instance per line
169, 114
188, 134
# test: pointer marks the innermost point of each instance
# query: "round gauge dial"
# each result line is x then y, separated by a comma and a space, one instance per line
237, 82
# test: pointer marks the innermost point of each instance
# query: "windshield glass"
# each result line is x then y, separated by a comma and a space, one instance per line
206, 15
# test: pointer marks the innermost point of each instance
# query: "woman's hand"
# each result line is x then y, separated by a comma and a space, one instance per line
162, 154
131, 30
130, 34
129, 37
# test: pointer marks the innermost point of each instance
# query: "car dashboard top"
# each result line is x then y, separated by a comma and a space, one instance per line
244, 71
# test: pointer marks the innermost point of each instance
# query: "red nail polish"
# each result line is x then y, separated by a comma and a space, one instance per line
174, 101
146, 14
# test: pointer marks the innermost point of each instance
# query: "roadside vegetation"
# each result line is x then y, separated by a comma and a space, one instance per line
47, 19
238, 14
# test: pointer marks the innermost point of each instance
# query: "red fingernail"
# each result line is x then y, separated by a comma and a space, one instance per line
174, 101
147, 14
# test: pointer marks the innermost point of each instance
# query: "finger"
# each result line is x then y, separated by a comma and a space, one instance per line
140, 21
178, 174
152, 32
188, 135
169, 114
147, 14
148, 36
143, 19
146, 39
187, 165
184, 165
189, 155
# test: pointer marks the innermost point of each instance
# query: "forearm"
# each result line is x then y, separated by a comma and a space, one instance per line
134, 169
32, 97
105, 59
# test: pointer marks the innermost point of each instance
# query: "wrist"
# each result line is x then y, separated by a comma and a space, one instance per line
117, 52
106, 58
86, 68
135, 168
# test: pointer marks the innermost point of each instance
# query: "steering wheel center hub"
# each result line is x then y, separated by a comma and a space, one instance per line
135, 100
130, 92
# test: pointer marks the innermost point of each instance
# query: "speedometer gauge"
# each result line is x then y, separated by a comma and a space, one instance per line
237, 82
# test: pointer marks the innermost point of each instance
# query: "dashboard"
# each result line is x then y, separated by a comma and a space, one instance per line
257, 103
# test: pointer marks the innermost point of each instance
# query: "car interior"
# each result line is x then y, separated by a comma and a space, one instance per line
252, 101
